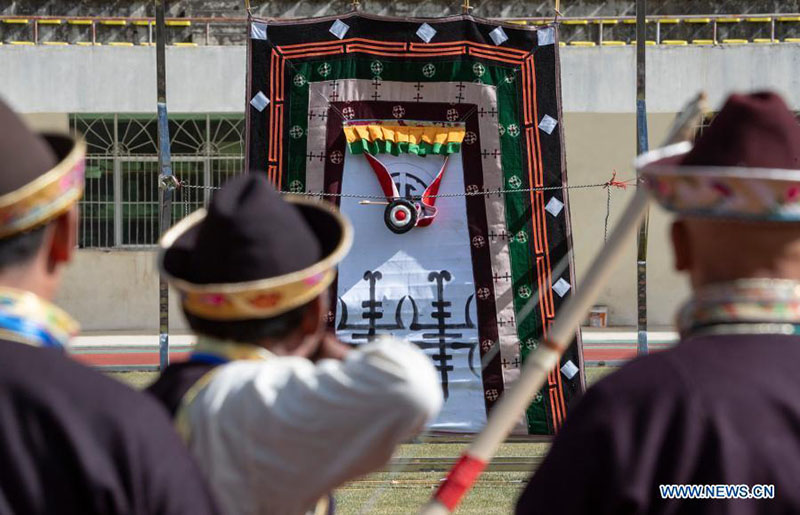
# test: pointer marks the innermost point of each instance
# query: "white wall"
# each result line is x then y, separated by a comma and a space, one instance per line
121, 79
115, 291
598, 145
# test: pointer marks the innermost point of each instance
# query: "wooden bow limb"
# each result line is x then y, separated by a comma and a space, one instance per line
547, 356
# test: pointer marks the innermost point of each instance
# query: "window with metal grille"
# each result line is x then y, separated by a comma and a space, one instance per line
120, 205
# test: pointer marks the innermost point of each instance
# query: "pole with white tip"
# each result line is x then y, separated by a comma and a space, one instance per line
547, 356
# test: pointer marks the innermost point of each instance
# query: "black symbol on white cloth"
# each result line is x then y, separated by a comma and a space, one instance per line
442, 340
372, 312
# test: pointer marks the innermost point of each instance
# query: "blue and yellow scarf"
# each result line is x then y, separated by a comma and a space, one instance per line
25, 318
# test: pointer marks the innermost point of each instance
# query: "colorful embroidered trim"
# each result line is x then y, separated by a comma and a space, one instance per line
46, 197
508, 144
208, 349
25, 318
739, 193
747, 306
404, 137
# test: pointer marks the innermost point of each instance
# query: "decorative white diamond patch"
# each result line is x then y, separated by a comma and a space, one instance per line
339, 29
429, 70
376, 67
296, 132
569, 369
524, 291
546, 36
478, 69
398, 111
470, 138
499, 36
513, 130
554, 206
452, 115
473, 189
260, 101
337, 157
522, 237
492, 394
561, 287
515, 182
299, 80
478, 242
548, 124
258, 31
349, 113
426, 33
484, 293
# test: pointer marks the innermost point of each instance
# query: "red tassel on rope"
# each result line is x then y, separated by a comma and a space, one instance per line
614, 183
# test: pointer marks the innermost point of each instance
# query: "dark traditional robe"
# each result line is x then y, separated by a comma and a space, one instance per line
714, 410
176, 380
74, 441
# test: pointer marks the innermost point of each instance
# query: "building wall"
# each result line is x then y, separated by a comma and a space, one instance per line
115, 290
118, 290
598, 145
211, 79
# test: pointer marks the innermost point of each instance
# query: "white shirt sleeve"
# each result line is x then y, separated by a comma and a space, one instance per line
274, 436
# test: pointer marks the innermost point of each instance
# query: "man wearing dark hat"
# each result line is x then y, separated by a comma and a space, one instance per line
277, 412
71, 440
712, 425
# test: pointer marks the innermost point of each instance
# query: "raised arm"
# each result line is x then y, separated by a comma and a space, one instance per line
301, 429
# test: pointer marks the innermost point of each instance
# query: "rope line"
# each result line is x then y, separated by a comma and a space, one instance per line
608, 185
608, 214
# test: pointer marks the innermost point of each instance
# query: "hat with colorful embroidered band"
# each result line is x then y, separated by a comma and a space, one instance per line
746, 165
254, 253
41, 176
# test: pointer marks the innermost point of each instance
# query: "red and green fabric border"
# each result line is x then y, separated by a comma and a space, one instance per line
533, 156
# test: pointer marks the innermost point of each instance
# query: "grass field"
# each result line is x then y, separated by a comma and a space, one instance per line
399, 492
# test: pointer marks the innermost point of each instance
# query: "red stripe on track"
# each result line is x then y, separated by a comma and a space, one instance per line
129, 358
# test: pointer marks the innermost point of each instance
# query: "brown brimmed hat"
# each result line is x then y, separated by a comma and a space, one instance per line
746, 165
41, 175
254, 253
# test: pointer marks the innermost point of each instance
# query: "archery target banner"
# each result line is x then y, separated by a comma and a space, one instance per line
478, 286
424, 296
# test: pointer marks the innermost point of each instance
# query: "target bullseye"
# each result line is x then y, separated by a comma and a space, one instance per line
400, 216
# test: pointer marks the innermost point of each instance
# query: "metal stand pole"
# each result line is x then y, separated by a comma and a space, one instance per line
166, 179
641, 146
